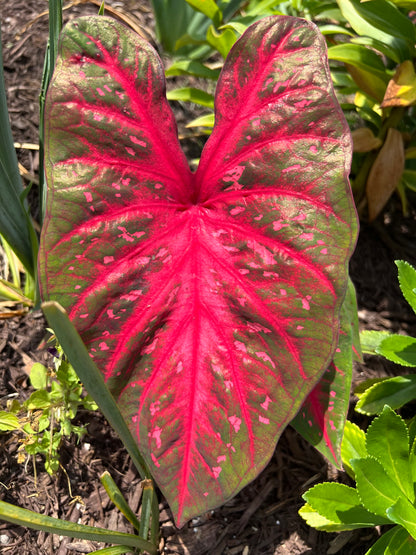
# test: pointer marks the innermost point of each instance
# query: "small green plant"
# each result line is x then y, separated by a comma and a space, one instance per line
382, 462
46, 417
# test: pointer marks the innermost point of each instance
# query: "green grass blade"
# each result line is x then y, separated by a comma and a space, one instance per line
14, 221
117, 498
9, 292
115, 550
12, 262
147, 502
30, 519
191, 94
55, 26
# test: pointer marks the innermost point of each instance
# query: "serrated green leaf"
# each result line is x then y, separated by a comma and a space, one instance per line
377, 491
371, 340
412, 455
352, 446
387, 440
8, 421
190, 94
394, 542
394, 392
400, 349
404, 513
314, 519
340, 504
407, 282
39, 376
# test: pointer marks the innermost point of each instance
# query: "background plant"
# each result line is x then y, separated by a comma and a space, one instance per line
42, 421
372, 55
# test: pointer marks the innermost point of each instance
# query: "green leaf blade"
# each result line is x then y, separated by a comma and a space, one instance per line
407, 282
377, 491
394, 392
387, 440
394, 542
341, 504
400, 349
404, 514
191, 94
30, 519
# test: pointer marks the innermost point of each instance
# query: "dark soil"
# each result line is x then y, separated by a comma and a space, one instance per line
263, 519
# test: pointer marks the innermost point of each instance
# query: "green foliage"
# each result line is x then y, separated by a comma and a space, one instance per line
395, 392
15, 224
192, 28
401, 349
379, 59
46, 417
372, 55
382, 462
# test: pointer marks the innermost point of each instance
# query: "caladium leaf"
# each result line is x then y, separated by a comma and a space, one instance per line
209, 300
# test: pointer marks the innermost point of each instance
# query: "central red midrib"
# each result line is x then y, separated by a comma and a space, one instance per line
186, 467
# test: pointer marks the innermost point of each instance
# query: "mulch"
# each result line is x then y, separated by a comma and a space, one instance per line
263, 518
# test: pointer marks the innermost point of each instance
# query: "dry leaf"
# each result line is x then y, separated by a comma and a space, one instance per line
401, 90
364, 140
385, 173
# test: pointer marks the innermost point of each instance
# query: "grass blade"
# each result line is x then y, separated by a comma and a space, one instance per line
24, 517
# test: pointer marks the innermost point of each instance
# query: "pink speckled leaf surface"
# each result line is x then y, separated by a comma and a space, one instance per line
209, 300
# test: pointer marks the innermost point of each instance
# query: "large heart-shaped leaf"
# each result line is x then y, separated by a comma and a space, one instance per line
209, 300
